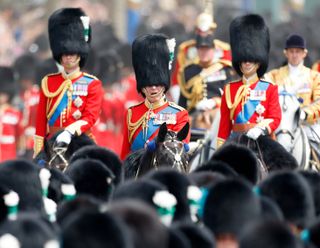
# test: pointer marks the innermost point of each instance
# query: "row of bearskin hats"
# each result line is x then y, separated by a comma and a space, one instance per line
232, 198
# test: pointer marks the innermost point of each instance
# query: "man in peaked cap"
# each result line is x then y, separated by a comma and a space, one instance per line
187, 51
297, 79
11, 128
249, 105
201, 82
70, 100
152, 56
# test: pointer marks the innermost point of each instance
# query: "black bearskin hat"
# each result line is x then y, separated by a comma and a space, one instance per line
249, 38
150, 59
292, 194
67, 34
269, 233
230, 206
24, 67
7, 81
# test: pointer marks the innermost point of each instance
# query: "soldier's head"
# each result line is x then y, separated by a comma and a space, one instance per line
250, 45
205, 28
295, 49
8, 87
152, 57
69, 36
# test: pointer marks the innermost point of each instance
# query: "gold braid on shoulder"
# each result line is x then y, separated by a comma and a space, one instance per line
133, 126
66, 85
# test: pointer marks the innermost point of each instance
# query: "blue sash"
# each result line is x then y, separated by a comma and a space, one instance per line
250, 106
139, 141
64, 100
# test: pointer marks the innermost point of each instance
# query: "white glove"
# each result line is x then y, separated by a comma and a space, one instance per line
255, 132
64, 137
206, 104
303, 115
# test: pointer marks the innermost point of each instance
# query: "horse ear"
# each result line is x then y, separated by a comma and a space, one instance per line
162, 132
183, 133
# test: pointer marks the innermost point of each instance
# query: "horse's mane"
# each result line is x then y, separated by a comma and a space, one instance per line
132, 162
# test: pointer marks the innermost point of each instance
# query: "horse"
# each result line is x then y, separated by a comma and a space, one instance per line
291, 134
167, 149
53, 156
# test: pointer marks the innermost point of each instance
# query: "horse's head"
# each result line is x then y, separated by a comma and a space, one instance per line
57, 155
290, 107
170, 149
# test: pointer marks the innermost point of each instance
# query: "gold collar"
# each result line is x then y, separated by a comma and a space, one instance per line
76, 73
251, 80
155, 105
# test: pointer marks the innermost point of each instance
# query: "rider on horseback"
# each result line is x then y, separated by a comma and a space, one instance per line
201, 82
297, 79
249, 105
152, 56
70, 101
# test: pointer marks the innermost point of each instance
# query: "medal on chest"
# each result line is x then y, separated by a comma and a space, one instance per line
161, 118
257, 95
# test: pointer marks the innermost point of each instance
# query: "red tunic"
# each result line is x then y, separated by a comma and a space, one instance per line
107, 129
30, 99
79, 99
10, 132
258, 105
133, 137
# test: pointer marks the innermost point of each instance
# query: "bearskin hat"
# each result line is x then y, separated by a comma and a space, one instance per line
106, 156
177, 184
22, 176
67, 34
269, 233
249, 38
30, 230
150, 59
94, 229
25, 67
230, 206
239, 158
91, 176
8, 85
292, 194
143, 222
198, 236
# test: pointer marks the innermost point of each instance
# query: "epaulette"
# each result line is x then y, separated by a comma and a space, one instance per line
135, 105
267, 81
187, 43
176, 106
90, 76
222, 44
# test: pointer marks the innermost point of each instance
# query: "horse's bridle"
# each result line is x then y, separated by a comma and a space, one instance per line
177, 153
59, 152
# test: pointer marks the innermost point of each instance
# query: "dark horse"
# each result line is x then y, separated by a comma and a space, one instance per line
53, 156
167, 149
271, 155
